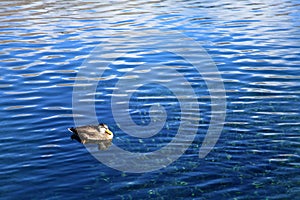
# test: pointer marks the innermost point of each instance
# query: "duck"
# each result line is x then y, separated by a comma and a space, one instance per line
87, 133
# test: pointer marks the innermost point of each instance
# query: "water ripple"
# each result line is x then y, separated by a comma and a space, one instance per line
255, 46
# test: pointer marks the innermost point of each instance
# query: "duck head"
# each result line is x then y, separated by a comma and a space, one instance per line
105, 130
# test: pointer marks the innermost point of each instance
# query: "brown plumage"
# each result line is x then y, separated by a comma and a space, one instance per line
91, 133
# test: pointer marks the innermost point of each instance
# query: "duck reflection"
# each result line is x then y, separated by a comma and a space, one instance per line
102, 144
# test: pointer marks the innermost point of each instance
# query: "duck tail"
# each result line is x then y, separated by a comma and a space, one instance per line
72, 130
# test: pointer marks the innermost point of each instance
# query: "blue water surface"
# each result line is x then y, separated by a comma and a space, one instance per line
255, 46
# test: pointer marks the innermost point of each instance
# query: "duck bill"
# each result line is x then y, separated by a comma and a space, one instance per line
108, 132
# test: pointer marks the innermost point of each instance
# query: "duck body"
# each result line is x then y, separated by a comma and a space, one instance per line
91, 133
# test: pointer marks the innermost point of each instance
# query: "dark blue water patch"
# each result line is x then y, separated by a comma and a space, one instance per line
141, 117
145, 96
139, 103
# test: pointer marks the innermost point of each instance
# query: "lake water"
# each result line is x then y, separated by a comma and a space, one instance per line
45, 47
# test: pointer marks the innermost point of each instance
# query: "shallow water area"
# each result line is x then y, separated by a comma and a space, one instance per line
45, 45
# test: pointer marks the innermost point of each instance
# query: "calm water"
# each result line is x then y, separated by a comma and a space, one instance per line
256, 47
